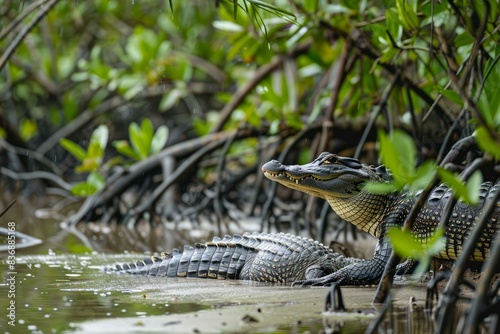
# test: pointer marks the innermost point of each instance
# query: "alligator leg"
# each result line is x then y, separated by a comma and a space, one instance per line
358, 273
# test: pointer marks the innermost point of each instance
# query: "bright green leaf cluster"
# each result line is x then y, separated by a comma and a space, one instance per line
407, 246
28, 128
144, 142
91, 161
451, 95
468, 191
93, 184
407, 14
398, 153
92, 158
170, 99
488, 144
489, 102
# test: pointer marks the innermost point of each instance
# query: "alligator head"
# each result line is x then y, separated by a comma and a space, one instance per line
340, 181
329, 175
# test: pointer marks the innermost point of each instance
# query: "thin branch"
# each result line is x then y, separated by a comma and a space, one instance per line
21, 151
79, 122
342, 72
179, 171
111, 103
36, 176
119, 182
17, 41
38, 75
14, 23
378, 108
362, 43
243, 91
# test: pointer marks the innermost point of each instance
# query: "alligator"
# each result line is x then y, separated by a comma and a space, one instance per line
263, 257
284, 258
341, 182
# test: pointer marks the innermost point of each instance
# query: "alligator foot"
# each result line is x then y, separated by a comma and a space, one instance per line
407, 267
321, 281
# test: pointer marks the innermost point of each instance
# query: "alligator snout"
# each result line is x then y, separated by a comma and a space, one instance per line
273, 166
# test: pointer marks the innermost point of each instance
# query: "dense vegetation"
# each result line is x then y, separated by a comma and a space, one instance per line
290, 78
164, 111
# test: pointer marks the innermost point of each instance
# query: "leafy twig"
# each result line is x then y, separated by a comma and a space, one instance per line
243, 91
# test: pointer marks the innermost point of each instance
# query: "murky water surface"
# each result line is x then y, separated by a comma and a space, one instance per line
71, 293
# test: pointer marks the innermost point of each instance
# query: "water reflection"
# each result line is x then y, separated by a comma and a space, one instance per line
54, 293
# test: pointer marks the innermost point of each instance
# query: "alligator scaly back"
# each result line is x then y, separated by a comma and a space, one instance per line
263, 257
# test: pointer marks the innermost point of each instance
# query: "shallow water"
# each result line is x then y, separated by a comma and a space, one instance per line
71, 293
59, 286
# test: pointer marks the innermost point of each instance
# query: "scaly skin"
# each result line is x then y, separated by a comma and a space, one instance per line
341, 181
263, 257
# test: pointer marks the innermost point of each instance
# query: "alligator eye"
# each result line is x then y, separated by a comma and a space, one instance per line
331, 159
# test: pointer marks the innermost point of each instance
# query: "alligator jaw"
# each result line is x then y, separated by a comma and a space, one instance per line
315, 178
293, 182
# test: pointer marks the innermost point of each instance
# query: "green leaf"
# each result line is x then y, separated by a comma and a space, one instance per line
487, 144
70, 107
96, 180
388, 152
227, 26
28, 128
89, 164
490, 96
114, 161
136, 139
453, 181
389, 54
310, 5
398, 153
424, 175
464, 38
404, 243
293, 120
472, 185
171, 99
422, 267
123, 147
393, 23
100, 136
407, 15
147, 131
94, 150
381, 188
83, 189
407, 246
467, 192
73, 148
159, 140
452, 96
